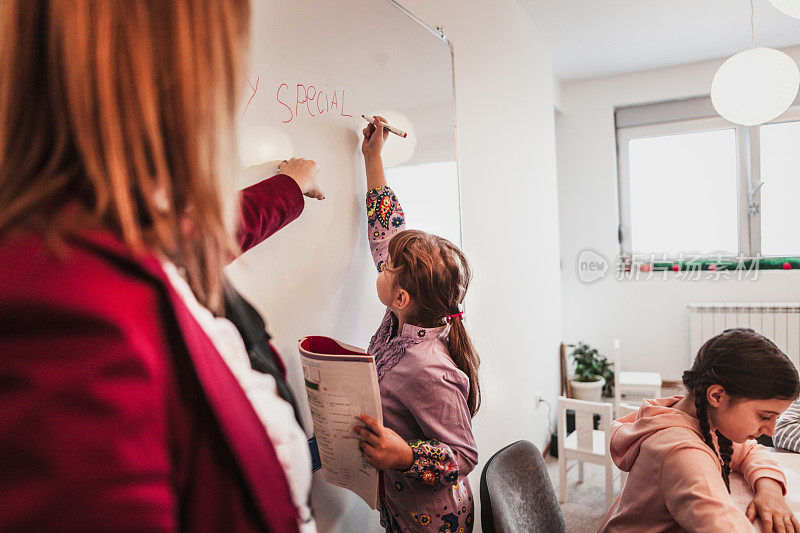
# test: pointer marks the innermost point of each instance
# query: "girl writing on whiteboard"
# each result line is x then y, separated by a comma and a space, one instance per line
427, 367
680, 452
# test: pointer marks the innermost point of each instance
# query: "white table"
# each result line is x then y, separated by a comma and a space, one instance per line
790, 463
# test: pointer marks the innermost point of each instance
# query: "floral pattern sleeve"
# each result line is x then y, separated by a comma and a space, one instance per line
434, 463
385, 218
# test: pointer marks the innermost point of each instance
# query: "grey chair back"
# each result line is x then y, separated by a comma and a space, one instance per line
516, 493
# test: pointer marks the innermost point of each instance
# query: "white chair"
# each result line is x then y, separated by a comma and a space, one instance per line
647, 384
624, 409
585, 444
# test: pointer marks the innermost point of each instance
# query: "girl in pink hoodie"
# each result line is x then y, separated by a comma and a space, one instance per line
679, 451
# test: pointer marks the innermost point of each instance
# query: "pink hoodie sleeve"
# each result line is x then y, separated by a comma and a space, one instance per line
754, 462
694, 492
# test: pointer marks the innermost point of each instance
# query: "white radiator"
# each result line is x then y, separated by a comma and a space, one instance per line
779, 322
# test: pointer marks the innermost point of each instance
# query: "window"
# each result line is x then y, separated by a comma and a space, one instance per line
690, 183
683, 192
780, 195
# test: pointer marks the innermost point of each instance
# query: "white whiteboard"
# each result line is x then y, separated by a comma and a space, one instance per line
316, 277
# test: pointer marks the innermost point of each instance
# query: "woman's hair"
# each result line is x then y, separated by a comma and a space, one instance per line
126, 109
436, 274
745, 364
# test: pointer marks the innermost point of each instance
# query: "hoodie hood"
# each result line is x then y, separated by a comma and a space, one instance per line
628, 433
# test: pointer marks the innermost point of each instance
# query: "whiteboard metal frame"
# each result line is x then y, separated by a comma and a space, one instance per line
435, 31
438, 32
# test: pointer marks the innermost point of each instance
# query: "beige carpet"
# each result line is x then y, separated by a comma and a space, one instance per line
586, 502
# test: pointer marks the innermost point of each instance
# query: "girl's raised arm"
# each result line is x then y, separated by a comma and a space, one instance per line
384, 215
385, 218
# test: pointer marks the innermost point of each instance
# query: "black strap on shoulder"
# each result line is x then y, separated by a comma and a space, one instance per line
256, 339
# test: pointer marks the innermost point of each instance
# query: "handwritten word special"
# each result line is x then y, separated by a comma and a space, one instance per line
309, 99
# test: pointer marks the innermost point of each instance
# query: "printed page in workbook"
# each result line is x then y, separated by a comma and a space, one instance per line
742, 494
341, 384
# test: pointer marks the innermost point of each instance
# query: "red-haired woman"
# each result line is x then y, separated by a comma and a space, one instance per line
127, 400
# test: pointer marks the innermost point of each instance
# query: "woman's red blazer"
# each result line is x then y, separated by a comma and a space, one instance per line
116, 411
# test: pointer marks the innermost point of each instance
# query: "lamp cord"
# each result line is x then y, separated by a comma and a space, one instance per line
752, 25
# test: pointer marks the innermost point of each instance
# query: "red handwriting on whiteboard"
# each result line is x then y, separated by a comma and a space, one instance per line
310, 100
255, 90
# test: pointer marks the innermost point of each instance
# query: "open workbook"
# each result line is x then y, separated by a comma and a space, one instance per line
341, 383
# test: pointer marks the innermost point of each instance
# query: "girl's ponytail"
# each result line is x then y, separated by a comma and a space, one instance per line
436, 274
466, 358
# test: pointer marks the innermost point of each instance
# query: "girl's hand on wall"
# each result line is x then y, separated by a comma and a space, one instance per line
382, 447
306, 173
771, 507
373, 143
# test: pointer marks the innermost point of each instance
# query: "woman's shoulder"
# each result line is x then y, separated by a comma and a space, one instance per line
74, 310
92, 275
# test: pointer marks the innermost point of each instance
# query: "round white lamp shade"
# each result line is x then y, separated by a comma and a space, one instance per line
755, 86
259, 144
790, 7
397, 151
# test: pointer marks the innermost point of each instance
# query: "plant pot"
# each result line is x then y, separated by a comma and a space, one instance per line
588, 390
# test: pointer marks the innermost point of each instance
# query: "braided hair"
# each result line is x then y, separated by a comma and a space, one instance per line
746, 365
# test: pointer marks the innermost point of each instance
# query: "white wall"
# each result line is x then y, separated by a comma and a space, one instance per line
650, 317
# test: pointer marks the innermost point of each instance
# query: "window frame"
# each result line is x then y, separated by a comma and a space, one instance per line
791, 115
748, 165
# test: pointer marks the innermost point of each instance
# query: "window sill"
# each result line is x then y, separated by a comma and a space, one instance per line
645, 264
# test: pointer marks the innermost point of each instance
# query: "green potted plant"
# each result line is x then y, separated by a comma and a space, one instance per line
593, 375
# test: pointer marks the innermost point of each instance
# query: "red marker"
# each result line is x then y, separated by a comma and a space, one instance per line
394, 130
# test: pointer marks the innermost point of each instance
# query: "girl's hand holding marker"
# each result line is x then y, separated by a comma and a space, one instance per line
371, 147
386, 126
372, 144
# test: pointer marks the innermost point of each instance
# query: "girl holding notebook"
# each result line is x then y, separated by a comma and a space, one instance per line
427, 367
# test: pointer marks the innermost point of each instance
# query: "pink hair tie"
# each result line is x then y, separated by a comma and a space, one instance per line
448, 318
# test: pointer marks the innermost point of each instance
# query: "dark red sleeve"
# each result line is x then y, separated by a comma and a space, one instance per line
83, 426
266, 207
